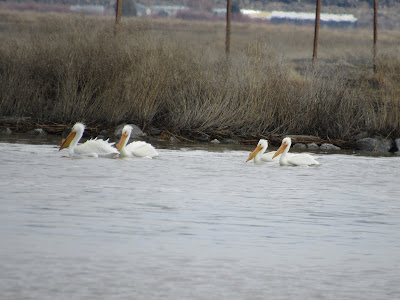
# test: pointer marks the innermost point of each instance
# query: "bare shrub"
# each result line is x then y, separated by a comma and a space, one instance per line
61, 69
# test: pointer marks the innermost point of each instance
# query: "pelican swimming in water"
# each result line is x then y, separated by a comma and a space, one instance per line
259, 155
302, 159
138, 148
92, 148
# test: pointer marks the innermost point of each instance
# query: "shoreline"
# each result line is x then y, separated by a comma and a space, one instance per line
24, 126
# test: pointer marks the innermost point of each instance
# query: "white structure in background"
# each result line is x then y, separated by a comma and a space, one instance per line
166, 10
255, 14
88, 9
282, 16
219, 11
142, 10
301, 17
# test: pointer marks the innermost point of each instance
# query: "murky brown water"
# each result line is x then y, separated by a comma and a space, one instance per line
197, 224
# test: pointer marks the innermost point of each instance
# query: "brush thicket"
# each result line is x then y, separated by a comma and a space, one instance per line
62, 69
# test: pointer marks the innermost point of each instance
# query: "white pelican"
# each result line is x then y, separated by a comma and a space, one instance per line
139, 148
92, 147
302, 159
259, 155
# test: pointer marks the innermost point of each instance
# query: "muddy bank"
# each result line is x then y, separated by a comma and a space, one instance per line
25, 125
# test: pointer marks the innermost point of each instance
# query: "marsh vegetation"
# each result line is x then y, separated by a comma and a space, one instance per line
174, 75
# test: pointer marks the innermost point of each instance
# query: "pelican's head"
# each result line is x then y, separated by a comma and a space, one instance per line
260, 149
285, 146
77, 130
126, 133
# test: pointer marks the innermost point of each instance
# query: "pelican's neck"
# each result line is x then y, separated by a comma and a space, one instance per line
123, 152
283, 160
127, 139
257, 158
74, 142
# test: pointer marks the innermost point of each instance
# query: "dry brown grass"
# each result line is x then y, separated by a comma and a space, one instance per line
174, 75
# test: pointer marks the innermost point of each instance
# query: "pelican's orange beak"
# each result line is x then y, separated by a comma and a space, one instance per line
280, 150
254, 153
65, 142
121, 141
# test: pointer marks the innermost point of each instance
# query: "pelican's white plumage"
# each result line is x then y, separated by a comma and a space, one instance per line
138, 148
259, 154
302, 159
92, 148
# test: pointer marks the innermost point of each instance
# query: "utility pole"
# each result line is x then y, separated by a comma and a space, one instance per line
316, 33
118, 13
228, 27
375, 34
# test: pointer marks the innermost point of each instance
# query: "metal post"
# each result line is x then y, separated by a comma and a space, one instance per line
316, 33
228, 27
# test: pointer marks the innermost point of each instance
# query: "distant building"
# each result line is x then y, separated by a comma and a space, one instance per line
142, 10
279, 17
88, 9
332, 20
166, 10
256, 14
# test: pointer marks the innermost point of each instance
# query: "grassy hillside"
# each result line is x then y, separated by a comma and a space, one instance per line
174, 75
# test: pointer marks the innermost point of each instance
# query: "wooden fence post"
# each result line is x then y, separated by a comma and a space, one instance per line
316, 33
228, 27
118, 13
375, 34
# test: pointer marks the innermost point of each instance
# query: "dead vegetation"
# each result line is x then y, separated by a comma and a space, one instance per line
175, 76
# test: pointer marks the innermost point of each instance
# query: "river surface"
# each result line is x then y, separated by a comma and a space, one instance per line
196, 223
